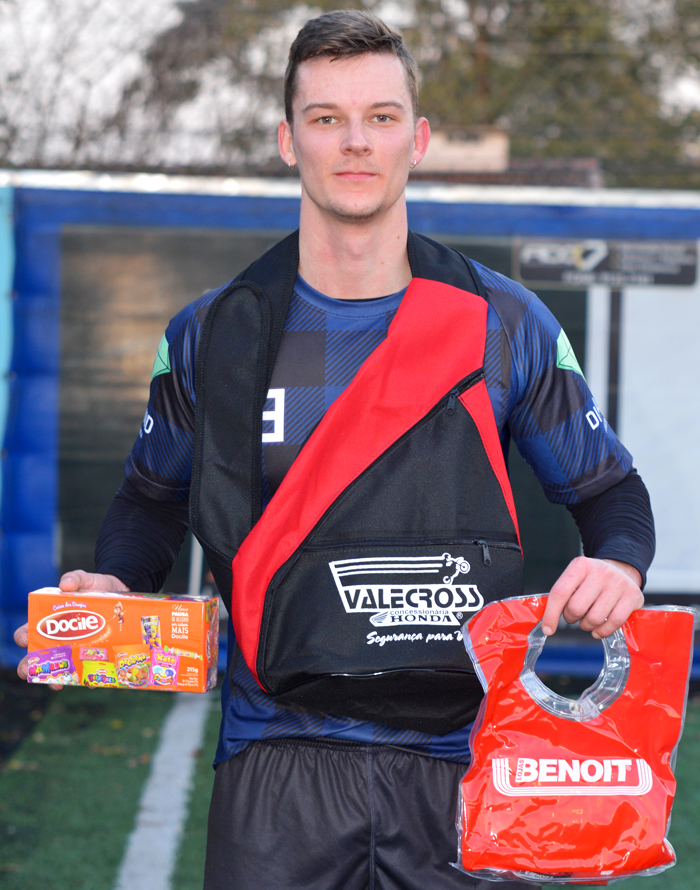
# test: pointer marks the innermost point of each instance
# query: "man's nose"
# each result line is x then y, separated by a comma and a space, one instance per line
356, 140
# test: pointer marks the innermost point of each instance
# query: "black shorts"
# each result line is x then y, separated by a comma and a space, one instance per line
322, 815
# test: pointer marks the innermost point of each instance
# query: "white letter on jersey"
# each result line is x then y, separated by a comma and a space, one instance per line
147, 425
595, 418
276, 416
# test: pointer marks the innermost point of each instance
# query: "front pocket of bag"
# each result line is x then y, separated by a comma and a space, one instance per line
366, 609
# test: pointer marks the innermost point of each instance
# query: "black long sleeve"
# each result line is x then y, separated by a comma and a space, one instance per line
140, 539
618, 524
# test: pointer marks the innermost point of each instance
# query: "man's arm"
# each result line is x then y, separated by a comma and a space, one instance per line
538, 390
137, 545
147, 521
602, 588
140, 538
618, 524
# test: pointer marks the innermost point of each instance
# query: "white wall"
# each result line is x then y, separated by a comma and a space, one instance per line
659, 422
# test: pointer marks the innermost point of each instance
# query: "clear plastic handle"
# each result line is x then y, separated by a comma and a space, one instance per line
606, 689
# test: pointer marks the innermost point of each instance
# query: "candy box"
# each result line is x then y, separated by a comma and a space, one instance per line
123, 640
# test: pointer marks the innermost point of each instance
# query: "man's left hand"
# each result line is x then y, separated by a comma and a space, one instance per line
600, 594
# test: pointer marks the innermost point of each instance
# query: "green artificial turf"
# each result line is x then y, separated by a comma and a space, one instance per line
685, 818
189, 870
22, 705
69, 795
69, 792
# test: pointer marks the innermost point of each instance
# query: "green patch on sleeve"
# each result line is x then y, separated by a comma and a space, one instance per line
161, 365
566, 359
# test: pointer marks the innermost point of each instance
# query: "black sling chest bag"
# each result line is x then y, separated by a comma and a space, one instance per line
394, 524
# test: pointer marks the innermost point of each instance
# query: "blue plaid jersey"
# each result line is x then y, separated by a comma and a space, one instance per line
539, 397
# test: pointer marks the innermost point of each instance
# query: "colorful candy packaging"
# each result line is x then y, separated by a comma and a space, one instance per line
53, 665
87, 653
100, 674
164, 668
133, 666
563, 791
113, 640
150, 631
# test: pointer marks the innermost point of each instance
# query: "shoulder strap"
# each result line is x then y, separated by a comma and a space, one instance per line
434, 261
236, 353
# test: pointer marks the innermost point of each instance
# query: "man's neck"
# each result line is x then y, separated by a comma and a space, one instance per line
354, 260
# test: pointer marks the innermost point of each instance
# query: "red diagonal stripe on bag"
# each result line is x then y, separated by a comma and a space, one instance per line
476, 401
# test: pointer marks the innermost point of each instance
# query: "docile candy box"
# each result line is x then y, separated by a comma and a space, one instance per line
158, 641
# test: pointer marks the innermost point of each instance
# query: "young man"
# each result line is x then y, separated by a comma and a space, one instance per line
340, 782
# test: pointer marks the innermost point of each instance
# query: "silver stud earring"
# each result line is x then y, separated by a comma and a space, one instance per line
413, 164
291, 165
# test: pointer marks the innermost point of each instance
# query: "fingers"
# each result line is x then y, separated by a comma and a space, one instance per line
599, 594
21, 636
620, 612
560, 594
80, 580
77, 580
22, 668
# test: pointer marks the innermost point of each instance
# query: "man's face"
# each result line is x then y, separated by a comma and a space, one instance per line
353, 135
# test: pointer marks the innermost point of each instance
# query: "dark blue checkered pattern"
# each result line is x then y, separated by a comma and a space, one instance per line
324, 342
546, 407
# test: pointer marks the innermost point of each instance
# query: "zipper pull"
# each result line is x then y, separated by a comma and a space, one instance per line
452, 401
485, 552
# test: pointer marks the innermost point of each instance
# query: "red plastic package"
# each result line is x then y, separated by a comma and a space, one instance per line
563, 791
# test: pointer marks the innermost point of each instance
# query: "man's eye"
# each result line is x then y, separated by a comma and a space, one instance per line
382, 118
328, 119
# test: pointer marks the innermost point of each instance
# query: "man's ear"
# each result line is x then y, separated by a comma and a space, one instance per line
284, 140
420, 140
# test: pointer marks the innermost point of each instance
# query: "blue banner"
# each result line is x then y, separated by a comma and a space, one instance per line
7, 265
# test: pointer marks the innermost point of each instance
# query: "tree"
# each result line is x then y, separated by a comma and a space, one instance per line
64, 64
195, 85
568, 78
221, 67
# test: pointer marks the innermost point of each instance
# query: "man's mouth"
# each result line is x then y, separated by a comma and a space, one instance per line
355, 175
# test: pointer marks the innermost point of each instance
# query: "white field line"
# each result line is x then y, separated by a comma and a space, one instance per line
152, 846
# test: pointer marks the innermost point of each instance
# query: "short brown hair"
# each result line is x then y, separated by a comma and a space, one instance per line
342, 34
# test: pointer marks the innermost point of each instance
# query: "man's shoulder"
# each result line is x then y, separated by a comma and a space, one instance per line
433, 259
436, 261
514, 306
501, 288
190, 318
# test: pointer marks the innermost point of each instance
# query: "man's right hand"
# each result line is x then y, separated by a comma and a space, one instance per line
71, 582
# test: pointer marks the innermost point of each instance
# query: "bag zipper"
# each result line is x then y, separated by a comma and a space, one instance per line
448, 401
461, 387
485, 545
